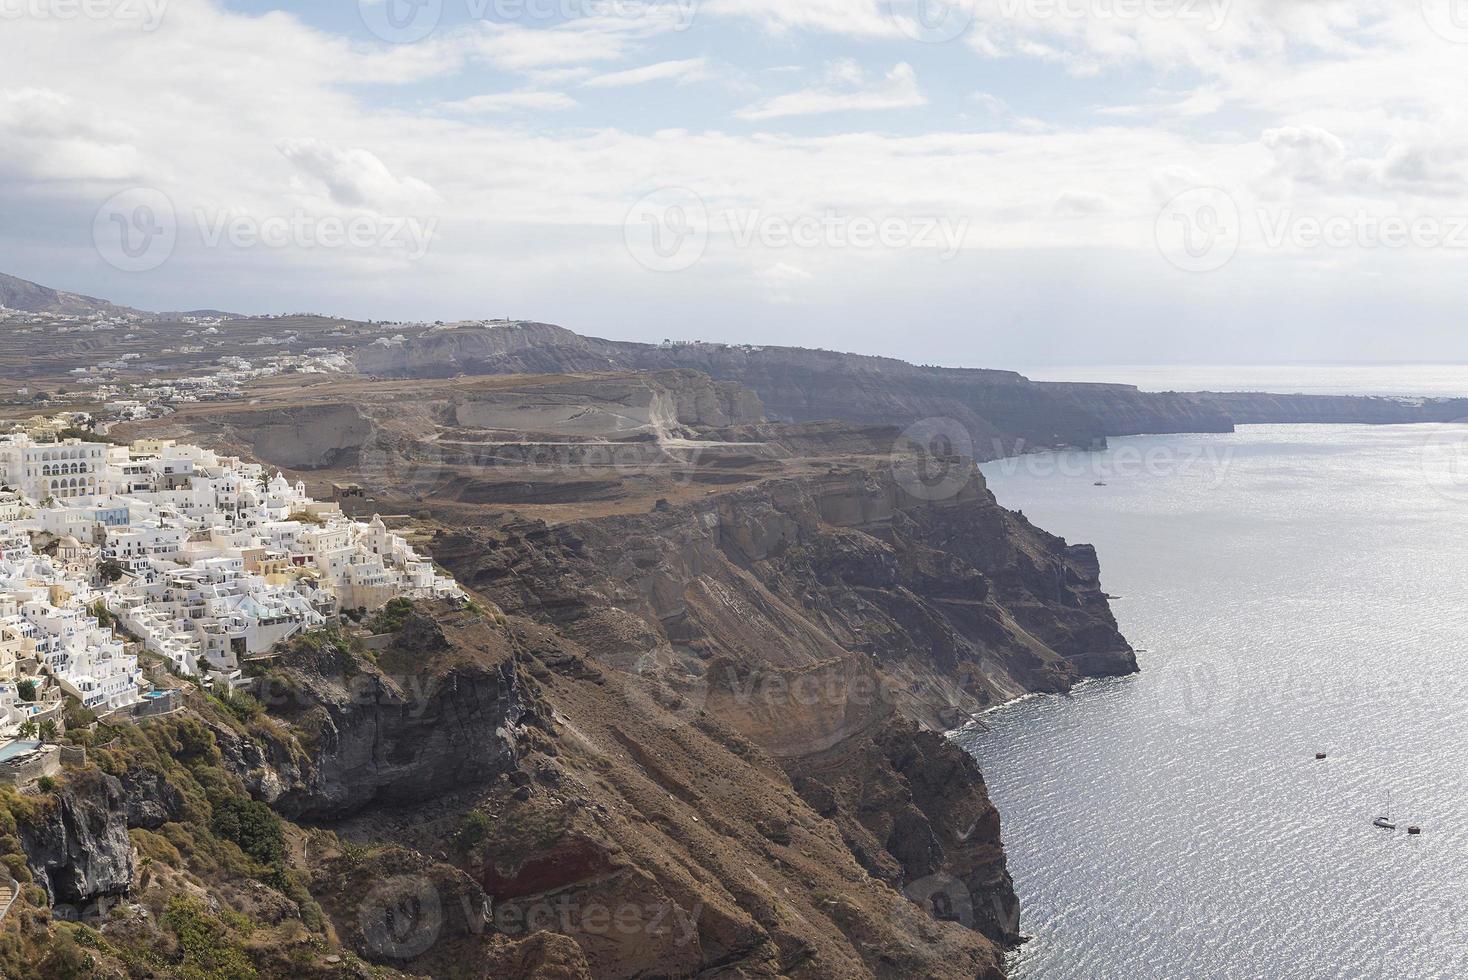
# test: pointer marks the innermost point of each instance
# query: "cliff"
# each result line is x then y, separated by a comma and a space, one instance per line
1001, 412
1246, 408
438, 709
1124, 410
76, 843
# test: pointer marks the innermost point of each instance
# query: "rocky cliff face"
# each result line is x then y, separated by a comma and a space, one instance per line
1247, 408
440, 709
76, 843
968, 603
999, 409
817, 620
1124, 410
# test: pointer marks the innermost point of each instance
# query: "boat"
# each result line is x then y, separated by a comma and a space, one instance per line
1385, 822
1099, 483
1414, 830
1319, 756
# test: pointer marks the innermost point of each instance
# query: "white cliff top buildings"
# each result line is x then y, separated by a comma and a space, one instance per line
202, 557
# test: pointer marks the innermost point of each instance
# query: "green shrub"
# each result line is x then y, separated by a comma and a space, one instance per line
243, 707
253, 826
207, 948
391, 617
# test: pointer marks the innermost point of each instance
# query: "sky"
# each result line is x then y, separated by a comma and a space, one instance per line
1000, 183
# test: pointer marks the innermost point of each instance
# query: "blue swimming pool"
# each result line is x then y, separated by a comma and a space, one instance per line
18, 748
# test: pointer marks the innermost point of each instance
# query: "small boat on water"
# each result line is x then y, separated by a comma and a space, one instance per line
1319, 756
1099, 483
1386, 822
1414, 830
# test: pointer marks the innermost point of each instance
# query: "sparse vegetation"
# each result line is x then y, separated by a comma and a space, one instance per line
239, 705
205, 945
391, 617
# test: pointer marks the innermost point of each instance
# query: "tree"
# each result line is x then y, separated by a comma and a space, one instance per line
111, 569
26, 689
28, 729
48, 731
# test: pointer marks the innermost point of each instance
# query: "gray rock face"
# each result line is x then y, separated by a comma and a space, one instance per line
393, 736
78, 849
149, 800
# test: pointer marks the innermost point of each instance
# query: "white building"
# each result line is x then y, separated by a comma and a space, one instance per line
63, 470
218, 563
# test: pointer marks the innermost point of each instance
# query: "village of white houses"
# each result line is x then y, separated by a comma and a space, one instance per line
202, 560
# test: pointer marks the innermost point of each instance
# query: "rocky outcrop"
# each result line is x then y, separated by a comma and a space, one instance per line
913, 809
442, 708
149, 799
76, 842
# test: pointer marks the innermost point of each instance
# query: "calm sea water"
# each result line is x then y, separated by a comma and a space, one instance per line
1422, 380
1295, 588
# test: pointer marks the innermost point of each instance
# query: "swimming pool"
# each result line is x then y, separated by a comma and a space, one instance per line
17, 749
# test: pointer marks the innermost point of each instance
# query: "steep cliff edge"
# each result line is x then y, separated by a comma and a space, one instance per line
1247, 408
1001, 411
816, 619
76, 843
969, 604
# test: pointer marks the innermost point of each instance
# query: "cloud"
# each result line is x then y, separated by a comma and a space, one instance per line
846, 89
355, 177
680, 72
1307, 154
524, 99
850, 18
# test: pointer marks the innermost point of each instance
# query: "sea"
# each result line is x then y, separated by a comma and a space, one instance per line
1291, 590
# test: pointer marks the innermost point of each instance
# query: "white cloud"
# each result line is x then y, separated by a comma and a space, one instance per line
852, 18
846, 89
523, 99
680, 72
355, 177
1321, 103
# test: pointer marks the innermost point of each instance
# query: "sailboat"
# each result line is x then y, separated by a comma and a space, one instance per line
1385, 822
